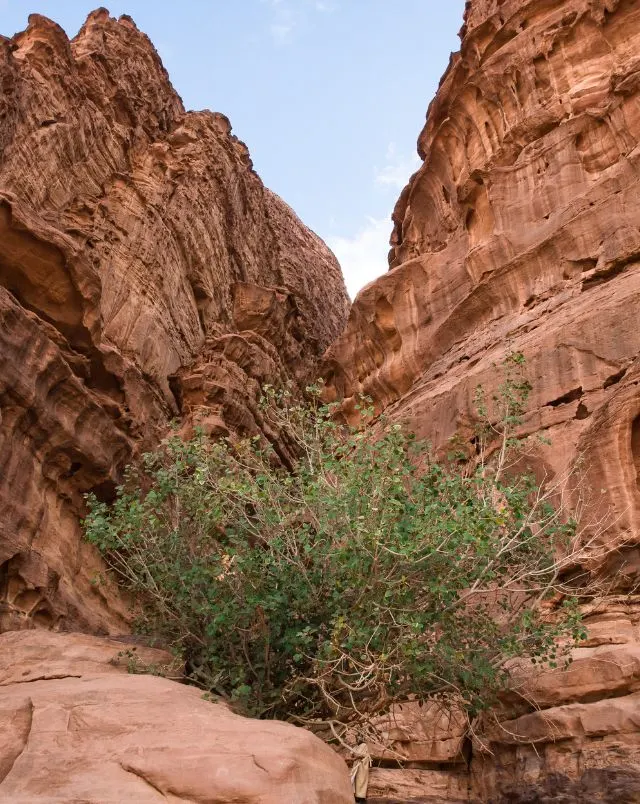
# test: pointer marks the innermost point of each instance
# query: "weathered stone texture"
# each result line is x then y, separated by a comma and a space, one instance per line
521, 231
143, 266
77, 727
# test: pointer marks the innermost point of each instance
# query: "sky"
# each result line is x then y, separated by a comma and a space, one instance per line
329, 95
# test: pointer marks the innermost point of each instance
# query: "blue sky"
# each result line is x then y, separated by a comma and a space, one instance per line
329, 95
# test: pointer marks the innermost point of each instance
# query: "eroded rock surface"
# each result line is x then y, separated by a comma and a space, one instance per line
77, 727
145, 271
521, 231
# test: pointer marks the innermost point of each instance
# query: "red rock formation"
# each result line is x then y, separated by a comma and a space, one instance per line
82, 729
143, 265
521, 231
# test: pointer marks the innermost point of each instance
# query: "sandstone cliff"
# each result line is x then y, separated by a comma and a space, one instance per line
521, 231
144, 271
146, 274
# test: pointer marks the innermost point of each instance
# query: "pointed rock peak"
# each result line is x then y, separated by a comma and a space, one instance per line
99, 15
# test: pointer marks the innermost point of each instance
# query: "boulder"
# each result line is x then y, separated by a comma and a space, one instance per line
77, 727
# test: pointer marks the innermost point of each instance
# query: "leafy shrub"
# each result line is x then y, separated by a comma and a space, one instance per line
364, 574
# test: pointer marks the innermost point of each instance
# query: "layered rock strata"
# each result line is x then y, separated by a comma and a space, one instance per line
145, 272
77, 727
521, 232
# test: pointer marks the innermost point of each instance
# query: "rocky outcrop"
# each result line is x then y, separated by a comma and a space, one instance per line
77, 727
146, 274
145, 271
521, 231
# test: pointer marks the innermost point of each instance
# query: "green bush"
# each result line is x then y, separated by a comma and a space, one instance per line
324, 589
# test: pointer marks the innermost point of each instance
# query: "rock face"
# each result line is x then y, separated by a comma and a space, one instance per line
521, 231
147, 274
145, 271
76, 727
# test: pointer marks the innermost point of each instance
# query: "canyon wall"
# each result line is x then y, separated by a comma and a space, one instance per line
521, 232
145, 273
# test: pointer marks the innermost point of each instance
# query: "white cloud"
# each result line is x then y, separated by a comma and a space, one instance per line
288, 14
397, 169
363, 257
284, 20
281, 32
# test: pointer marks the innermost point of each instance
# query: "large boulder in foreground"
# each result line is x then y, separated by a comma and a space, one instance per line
77, 727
